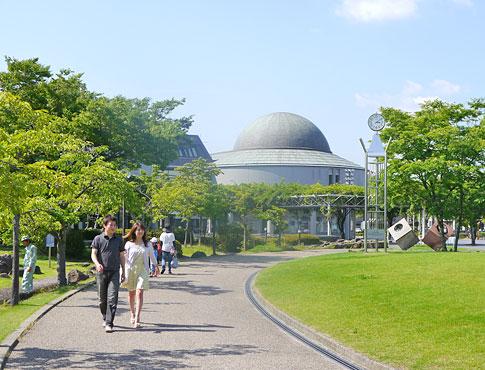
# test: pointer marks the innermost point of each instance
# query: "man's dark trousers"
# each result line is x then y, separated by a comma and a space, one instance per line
108, 286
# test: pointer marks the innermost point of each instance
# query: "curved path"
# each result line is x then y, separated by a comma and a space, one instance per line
199, 317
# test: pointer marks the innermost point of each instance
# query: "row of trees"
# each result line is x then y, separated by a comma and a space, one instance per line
194, 193
66, 151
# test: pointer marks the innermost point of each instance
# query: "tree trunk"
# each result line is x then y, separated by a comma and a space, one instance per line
473, 233
244, 237
61, 256
457, 235
186, 231
15, 263
200, 230
213, 238
441, 227
458, 224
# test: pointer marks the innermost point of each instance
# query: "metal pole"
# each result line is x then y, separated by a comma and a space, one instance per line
366, 223
365, 194
50, 257
385, 202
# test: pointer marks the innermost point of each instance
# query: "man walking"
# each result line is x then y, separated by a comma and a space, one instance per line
167, 239
108, 254
30, 259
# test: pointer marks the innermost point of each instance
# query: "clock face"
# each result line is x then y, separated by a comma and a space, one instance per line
376, 122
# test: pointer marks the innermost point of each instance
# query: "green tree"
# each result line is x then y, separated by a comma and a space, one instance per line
186, 194
216, 208
428, 158
339, 208
243, 204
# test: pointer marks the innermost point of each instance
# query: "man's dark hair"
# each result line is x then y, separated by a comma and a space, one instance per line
167, 228
109, 218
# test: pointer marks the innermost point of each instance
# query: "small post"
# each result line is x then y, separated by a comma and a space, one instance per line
50, 243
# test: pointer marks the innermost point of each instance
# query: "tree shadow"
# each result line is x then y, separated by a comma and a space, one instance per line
39, 358
158, 328
189, 287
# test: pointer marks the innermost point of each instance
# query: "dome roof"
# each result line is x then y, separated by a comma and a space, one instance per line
282, 130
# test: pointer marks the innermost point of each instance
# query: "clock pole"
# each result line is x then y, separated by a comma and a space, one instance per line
375, 186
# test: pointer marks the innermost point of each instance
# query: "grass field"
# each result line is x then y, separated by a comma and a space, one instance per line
12, 317
413, 310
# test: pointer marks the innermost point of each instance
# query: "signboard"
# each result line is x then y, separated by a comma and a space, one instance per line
376, 234
49, 241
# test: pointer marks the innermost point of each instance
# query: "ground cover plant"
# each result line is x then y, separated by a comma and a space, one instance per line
413, 310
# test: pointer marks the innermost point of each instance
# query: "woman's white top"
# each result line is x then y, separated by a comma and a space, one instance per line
131, 248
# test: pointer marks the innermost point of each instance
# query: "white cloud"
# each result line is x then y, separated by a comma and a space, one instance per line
444, 87
411, 96
411, 88
383, 10
377, 10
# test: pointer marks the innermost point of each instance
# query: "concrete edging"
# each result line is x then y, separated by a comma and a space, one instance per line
322, 340
9, 343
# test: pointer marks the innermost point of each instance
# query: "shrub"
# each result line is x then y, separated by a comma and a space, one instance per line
198, 254
75, 248
89, 234
179, 249
305, 239
230, 237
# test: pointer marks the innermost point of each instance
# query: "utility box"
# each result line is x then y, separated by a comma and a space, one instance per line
433, 237
403, 234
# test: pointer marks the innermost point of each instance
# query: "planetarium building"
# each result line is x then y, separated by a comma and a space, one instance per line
284, 147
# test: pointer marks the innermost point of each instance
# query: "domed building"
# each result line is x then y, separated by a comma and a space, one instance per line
284, 147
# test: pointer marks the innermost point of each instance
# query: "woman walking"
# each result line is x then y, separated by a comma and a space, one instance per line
138, 254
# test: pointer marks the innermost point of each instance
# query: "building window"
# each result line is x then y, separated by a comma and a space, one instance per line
330, 176
337, 178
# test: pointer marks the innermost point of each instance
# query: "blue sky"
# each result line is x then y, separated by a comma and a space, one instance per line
333, 62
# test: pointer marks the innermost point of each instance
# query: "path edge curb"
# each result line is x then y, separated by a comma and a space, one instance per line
9, 343
322, 340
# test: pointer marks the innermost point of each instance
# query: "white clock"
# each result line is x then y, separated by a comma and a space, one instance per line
376, 122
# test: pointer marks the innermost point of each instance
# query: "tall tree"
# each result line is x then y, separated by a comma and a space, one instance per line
427, 155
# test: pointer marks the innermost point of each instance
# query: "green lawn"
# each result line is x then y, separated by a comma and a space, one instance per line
12, 317
46, 271
414, 310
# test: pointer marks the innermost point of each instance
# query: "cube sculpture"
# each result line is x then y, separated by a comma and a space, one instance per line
433, 237
403, 234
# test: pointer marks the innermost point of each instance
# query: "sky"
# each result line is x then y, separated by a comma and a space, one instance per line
334, 62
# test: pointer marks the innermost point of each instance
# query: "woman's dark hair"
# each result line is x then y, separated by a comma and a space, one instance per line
132, 233
108, 218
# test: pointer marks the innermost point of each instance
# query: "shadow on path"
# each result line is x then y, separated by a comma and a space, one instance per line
189, 287
146, 359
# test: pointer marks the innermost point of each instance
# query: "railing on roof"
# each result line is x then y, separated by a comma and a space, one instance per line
327, 200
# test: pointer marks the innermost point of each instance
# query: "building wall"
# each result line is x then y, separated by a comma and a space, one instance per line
276, 174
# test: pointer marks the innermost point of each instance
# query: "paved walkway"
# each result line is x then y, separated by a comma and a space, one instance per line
197, 318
